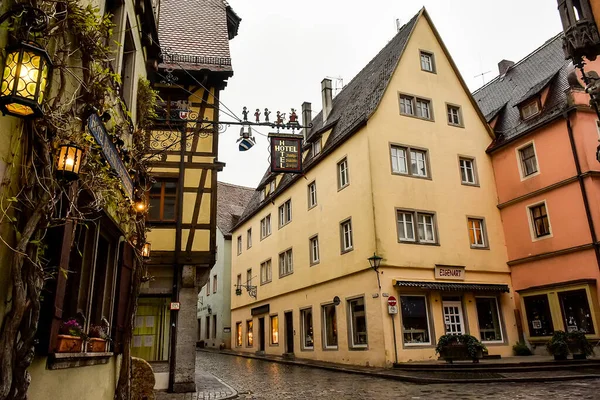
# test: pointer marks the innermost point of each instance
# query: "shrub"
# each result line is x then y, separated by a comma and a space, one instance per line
577, 340
474, 346
521, 349
558, 345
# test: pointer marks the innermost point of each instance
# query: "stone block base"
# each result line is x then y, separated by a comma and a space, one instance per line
184, 387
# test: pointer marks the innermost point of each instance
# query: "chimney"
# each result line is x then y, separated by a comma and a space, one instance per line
306, 117
504, 65
326, 98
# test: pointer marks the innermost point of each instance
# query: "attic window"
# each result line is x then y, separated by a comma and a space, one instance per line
262, 195
316, 146
427, 63
530, 108
272, 186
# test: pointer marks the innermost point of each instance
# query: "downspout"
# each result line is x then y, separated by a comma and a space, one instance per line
586, 202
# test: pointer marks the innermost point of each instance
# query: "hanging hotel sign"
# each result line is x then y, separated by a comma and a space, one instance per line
98, 131
450, 272
286, 153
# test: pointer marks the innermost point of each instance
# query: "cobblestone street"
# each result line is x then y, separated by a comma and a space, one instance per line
257, 379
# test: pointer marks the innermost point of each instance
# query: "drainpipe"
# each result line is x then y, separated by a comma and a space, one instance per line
586, 202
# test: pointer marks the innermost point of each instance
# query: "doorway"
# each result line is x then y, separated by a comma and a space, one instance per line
453, 317
261, 334
289, 333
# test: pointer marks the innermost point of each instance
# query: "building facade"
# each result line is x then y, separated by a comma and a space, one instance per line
214, 298
394, 165
544, 158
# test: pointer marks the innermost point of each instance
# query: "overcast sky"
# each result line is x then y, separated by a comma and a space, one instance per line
284, 49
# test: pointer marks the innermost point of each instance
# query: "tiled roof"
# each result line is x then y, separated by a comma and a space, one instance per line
193, 33
350, 108
546, 66
231, 202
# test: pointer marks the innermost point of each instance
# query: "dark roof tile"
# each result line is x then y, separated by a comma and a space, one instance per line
231, 202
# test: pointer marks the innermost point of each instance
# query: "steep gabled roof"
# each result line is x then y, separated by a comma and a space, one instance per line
545, 67
231, 202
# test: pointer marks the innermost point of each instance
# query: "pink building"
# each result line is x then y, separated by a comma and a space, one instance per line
548, 183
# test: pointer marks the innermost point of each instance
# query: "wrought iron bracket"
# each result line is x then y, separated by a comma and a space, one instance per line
34, 19
252, 290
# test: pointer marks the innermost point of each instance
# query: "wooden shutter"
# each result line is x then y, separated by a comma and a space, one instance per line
123, 299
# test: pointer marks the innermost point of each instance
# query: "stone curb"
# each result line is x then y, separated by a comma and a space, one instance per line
412, 379
235, 392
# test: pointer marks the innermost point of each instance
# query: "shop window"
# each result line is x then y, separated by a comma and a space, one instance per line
539, 319
415, 320
274, 329
330, 334
488, 316
358, 323
576, 311
307, 329
249, 334
163, 200
238, 334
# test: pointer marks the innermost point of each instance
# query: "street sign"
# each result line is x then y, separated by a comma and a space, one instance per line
392, 309
392, 301
174, 306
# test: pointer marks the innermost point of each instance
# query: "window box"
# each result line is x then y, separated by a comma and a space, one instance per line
96, 345
68, 344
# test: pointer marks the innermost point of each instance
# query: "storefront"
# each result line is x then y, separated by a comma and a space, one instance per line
151, 332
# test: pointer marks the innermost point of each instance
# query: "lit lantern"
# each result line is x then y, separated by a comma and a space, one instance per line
146, 250
24, 80
68, 161
140, 205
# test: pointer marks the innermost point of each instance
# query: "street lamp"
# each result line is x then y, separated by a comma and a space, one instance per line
68, 161
146, 251
375, 262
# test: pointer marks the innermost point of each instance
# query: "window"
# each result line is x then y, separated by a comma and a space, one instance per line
576, 311
265, 272
477, 235
423, 108
249, 277
316, 147
286, 266
163, 201
539, 319
330, 338
249, 238
343, 179
425, 227
265, 226
262, 195
272, 186
274, 329
285, 213
415, 320
214, 284
346, 235
467, 171
238, 284
539, 219
238, 334
530, 109
427, 62
528, 160
314, 250
406, 105
239, 245
208, 327
306, 329
249, 335
416, 107
358, 323
488, 316
312, 194
402, 157
214, 327
208, 287
454, 115
128, 76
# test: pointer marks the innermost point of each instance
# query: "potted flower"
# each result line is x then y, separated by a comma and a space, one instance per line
70, 337
558, 345
579, 345
97, 338
460, 347
238, 292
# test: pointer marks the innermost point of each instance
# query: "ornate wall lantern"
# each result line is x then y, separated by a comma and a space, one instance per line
581, 37
140, 206
146, 251
24, 80
68, 161
375, 262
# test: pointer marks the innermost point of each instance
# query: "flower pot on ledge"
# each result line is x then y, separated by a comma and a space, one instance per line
68, 344
96, 345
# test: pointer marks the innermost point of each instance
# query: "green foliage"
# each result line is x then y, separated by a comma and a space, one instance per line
474, 346
579, 344
521, 349
558, 345
147, 101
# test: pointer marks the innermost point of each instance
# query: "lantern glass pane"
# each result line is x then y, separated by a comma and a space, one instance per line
28, 75
43, 83
20, 109
10, 70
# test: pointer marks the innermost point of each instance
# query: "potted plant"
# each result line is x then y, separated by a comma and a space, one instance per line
97, 339
579, 345
238, 292
521, 349
460, 347
558, 345
70, 337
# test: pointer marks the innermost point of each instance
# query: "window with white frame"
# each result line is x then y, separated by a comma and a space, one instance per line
415, 106
423, 108
314, 250
488, 316
409, 161
272, 186
346, 235
427, 61
238, 284
306, 329
265, 226
286, 263
415, 320
239, 245
262, 195
249, 238
208, 286
530, 109
468, 175
343, 178
425, 226
316, 147
539, 220
330, 333
249, 277
312, 194
285, 213
406, 105
454, 115
265, 272
357, 322
477, 234
528, 160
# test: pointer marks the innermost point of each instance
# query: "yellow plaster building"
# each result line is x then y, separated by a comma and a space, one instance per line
394, 165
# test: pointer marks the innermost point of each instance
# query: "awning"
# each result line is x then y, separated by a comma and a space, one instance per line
455, 287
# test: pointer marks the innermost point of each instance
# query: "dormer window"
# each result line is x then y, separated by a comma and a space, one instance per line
316, 147
530, 108
272, 186
262, 195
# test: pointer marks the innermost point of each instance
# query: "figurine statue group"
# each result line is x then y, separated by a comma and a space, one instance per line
279, 119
